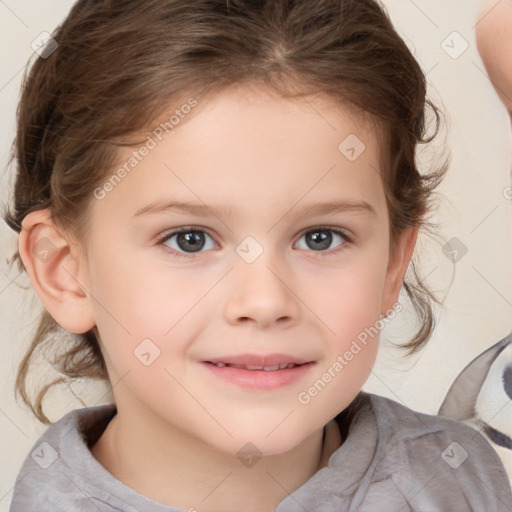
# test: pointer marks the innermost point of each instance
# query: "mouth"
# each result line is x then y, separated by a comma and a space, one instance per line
271, 368
263, 372
268, 362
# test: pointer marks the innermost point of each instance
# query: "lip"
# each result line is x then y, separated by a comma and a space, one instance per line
259, 360
259, 379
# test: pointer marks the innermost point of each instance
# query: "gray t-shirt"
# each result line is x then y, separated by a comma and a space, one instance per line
392, 459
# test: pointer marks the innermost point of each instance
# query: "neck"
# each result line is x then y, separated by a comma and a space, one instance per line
184, 473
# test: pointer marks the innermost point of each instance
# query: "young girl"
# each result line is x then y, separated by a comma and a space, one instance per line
220, 201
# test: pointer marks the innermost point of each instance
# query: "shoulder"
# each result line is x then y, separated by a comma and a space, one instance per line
49, 478
434, 461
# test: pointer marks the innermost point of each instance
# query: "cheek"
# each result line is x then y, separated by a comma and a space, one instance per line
144, 309
145, 298
351, 311
352, 296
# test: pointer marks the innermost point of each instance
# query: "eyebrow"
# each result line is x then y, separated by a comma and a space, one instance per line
204, 210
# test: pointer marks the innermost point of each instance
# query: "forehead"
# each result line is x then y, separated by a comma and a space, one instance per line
250, 149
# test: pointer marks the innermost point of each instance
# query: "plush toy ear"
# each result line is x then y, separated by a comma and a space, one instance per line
461, 398
397, 267
54, 272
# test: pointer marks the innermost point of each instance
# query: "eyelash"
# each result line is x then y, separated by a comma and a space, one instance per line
187, 229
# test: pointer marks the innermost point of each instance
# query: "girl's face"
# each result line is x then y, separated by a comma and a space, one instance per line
288, 255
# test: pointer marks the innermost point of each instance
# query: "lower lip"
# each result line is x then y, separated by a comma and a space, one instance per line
259, 379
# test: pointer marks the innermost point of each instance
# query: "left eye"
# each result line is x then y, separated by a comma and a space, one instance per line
187, 240
320, 239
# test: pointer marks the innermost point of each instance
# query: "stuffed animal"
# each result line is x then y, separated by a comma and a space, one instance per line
481, 396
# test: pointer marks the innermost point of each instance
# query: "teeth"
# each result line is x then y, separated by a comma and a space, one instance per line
253, 367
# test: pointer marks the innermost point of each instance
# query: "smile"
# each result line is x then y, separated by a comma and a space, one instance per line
272, 368
262, 377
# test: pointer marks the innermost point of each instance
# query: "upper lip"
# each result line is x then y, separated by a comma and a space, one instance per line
258, 360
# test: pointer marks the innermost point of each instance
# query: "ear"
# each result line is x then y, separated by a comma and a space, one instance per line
54, 272
397, 267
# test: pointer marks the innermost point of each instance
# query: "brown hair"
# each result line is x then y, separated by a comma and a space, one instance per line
120, 63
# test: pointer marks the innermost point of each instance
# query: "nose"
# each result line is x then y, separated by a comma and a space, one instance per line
262, 295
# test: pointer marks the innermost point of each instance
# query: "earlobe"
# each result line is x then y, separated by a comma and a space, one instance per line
54, 272
397, 267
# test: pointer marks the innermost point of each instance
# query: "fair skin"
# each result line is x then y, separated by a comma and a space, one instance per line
178, 428
494, 41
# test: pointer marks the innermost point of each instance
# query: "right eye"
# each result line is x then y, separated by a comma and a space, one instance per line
185, 241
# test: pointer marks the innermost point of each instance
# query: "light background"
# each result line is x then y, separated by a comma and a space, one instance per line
478, 305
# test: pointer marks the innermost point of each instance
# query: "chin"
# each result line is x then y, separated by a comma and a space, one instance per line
267, 442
